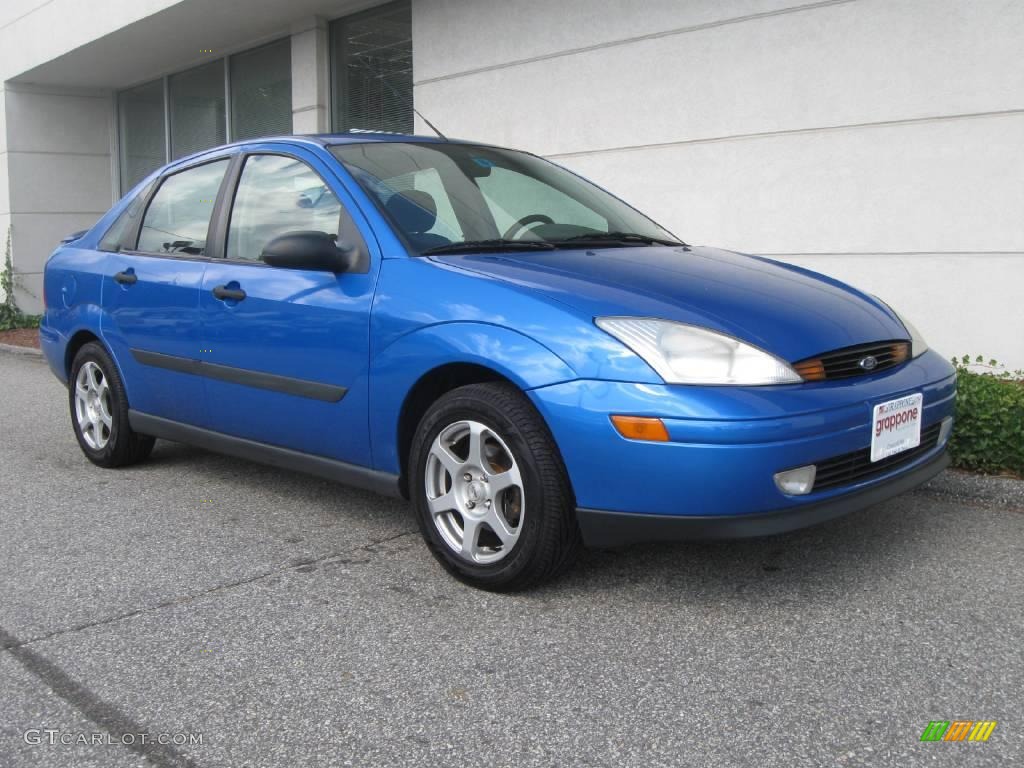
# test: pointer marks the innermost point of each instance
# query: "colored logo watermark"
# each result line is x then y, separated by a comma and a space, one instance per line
958, 730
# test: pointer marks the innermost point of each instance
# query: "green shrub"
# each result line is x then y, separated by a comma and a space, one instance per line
989, 431
10, 315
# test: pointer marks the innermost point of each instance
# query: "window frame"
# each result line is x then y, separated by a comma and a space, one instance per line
211, 245
226, 207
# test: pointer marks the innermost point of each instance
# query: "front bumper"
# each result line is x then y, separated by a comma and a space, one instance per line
726, 444
604, 529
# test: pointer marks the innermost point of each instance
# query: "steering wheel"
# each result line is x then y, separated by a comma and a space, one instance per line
523, 223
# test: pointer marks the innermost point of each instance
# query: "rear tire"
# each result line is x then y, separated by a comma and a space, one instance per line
99, 411
491, 494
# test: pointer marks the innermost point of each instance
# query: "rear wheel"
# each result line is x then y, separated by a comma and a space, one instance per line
99, 411
490, 491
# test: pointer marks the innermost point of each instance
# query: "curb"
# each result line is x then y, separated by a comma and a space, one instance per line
14, 349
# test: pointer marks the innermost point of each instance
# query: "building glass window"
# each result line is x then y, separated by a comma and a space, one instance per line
261, 91
197, 109
140, 120
371, 62
258, 81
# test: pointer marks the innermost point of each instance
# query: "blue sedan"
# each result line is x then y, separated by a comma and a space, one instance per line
532, 362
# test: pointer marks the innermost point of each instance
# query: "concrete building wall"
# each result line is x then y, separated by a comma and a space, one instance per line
58, 170
879, 141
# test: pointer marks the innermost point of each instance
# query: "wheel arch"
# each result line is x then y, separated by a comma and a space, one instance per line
417, 368
425, 392
78, 340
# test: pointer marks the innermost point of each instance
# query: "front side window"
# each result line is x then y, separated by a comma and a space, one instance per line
451, 197
177, 220
277, 195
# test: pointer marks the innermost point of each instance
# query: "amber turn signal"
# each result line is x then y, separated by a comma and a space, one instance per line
641, 428
811, 370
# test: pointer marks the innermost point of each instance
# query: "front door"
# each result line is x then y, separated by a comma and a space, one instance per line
286, 351
151, 296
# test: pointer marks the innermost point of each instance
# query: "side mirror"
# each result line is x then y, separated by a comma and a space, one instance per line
309, 250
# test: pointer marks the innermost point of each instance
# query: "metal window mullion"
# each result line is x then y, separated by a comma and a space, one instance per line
167, 119
115, 151
227, 99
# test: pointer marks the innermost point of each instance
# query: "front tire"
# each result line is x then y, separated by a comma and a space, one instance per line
99, 411
491, 494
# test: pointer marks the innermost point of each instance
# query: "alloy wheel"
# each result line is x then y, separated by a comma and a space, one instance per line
474, 492
92, 406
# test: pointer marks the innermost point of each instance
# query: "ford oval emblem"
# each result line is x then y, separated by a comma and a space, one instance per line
868, 363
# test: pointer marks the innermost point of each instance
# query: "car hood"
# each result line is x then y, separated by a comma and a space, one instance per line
792, 312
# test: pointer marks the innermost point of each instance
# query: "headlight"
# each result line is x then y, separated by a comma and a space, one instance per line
688, 354
918, 346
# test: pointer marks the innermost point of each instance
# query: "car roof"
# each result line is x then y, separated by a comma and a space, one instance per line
322, 140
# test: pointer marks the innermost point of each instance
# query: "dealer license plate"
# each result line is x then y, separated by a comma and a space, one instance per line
896, 426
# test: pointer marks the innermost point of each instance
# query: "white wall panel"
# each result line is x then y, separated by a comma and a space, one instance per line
951, 185
843, 64
454, 36
59, 183
63, 121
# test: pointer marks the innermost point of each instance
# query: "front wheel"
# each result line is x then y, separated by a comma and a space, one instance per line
99, 411
491, 494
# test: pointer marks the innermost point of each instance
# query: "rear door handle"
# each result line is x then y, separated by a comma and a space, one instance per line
126, 278
223, 292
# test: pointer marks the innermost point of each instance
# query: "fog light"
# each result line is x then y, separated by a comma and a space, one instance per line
796, 482
945, 429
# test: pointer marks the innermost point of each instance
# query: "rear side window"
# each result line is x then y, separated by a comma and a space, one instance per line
177, 220
123, 227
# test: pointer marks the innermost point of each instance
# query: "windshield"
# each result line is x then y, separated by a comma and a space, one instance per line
449, 198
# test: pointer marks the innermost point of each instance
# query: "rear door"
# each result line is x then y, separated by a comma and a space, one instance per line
287, 350
151, 296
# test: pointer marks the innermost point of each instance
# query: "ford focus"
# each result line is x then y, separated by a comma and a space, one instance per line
533, 363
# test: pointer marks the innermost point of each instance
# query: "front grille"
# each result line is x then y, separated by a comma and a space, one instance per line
853, 467
850, 361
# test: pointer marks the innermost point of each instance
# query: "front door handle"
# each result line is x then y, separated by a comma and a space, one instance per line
223, 292
127, 278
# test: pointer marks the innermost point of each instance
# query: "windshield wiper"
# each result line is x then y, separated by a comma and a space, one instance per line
612, 238
497, 244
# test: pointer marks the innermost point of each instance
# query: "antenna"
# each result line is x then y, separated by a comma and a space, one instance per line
408, 101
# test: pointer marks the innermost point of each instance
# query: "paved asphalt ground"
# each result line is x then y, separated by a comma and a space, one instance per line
293, 622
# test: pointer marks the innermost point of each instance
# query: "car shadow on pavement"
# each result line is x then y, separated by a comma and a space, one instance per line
818, 562
824, 562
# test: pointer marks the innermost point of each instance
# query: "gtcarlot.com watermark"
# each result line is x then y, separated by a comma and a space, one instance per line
53, 736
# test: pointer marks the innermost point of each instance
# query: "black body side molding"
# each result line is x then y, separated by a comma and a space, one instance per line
315, 390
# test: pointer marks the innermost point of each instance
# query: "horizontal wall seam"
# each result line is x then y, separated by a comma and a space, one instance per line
634, 39
793, 131
29, 12
57, 213
50, 152
26, 89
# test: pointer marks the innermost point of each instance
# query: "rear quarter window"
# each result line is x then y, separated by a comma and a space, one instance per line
124, 226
